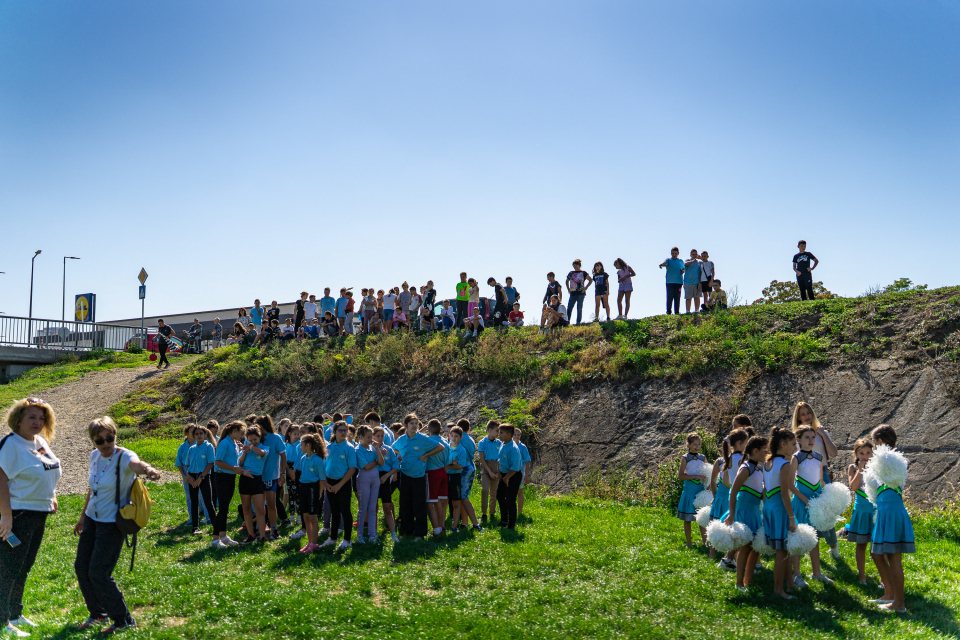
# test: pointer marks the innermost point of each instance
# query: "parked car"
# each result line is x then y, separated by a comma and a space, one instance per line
151, 343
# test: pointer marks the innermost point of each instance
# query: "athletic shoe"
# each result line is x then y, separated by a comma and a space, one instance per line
373, 540
261, 540
799, 582
727, 565
880, 601
298, 535
23, 621
359, 539
249, 540
324, 532
119, 627
92, 622
206, 521
395, 537
454, 530
478, 528
216, 544
345, 545
274, 535
329, 542
437, 531
227, 541
835, 552
196, 531
887, 609
186, 524
11, 631
822, 578
483, 518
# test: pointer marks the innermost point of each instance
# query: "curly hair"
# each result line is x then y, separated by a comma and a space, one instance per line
15, 416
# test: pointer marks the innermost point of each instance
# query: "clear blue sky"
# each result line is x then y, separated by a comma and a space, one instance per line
251, 149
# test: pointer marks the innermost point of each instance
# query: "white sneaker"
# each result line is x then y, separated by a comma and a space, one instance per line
727, 565
23, 621
227, 541
345, 545
324, 532
799, 582
835, 552
820, 577
329, 542
216, 544
298, 535
12, 632
437, 531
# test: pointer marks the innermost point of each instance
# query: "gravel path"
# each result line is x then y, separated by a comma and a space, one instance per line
77, 403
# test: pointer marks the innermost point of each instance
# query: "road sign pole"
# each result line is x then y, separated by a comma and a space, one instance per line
142, 277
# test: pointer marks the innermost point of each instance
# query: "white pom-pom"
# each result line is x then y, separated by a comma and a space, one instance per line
802, 541
888, 466
824, 510
870, 486
703, 516
742, 534
721, 537
695, 468
761, 545
703, 499
707, 471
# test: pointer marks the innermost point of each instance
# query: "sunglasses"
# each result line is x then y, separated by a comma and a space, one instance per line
101, 441
35, 401
341, 430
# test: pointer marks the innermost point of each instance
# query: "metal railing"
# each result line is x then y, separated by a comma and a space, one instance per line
59, 334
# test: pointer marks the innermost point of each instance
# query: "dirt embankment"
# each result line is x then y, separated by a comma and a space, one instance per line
608, 423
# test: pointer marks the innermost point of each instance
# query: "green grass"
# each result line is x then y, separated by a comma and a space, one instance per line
575, 568
71, 369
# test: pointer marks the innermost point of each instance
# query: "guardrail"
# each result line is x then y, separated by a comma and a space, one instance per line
67, 335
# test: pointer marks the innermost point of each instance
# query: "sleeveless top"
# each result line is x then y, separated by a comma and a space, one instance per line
771, 478
809, 469
690, 457
735, 459
754, 482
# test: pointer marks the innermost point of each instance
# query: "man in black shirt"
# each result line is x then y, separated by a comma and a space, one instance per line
553, 289
299, 310
163, 334
803, 269
501, 309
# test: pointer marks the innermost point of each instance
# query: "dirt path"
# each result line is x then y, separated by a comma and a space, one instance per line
77, 403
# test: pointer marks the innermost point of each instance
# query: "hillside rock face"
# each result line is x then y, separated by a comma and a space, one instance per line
636, 423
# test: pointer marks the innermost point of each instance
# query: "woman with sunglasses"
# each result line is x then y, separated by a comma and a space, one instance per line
29, 472
101, 541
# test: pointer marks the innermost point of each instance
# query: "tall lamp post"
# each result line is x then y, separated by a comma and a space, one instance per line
30, 319
63, 304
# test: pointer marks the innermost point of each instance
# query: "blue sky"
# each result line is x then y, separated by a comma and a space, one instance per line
251, 149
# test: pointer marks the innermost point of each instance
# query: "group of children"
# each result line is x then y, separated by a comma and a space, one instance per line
767, 483
293, 474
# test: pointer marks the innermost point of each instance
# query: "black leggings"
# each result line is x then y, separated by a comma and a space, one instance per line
204, 492
340, 506
225, 484
805, 282
507, 500
16, 562
162, 346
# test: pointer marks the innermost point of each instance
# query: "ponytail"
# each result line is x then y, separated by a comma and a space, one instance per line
779, 436
734, 438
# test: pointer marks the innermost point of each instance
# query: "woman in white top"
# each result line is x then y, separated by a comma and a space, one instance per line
29, 472
100, 539
803, 414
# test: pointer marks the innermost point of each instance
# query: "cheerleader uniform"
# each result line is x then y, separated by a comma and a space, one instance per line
748, 497
893, 530
721, 501
860, 529
809, 483
776, 520
685, 510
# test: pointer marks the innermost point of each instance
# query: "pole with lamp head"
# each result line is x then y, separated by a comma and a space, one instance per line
30, 318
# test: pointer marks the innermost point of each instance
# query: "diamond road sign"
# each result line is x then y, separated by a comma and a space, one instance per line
143, 276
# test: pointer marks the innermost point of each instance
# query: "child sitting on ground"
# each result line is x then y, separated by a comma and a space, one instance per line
515, 319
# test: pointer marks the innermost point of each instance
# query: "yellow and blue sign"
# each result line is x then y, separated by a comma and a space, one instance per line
85, 307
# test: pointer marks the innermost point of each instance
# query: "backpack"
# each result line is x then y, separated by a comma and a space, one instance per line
135, 513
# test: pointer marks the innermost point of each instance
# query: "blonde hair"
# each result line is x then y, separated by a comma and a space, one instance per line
796, 415
105, 423
15, 415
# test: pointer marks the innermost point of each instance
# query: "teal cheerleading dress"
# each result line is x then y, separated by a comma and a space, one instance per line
776, 520
809, 483
892, 529
860, 529
721, 502
686, 510
749, 498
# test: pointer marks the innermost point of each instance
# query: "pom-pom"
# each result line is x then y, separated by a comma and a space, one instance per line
703, 499
707, 471
802, 541
824, 510
761, 545
870, 486
888, 466
703, 516
695, 468
726, 538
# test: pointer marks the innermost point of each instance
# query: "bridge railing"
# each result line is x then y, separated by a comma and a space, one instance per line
59, 334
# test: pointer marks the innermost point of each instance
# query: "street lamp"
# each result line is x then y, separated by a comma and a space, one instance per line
63, 303
30, 319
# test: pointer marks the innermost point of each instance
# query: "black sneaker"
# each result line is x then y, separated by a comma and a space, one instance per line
248, 540
129, 624
477, 527
483, 518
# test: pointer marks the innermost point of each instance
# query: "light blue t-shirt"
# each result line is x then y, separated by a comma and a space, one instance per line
253, 462
327, 303
389, 460
341, 457
388, 437
256, 316
366, 456
409, 451
674, 270
341, 307
228, 454
312, 469
293, 452
181, 458
199, 456
439, 460
509, 458
459, 455
490, 449
273, 444
471, 447
511, 295
524, 453
692, 274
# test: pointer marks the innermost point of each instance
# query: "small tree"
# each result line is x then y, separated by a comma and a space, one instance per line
779, 292
904, 284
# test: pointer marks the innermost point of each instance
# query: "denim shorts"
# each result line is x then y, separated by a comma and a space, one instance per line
388, 315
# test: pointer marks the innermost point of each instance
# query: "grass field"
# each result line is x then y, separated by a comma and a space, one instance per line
575, 568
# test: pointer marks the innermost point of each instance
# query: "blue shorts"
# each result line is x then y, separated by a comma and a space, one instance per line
388, 314
270, 485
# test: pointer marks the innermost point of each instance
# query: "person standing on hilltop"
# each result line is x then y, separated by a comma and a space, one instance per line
804, 270
463, 298
553, 289
707, 273
273, 313
691, 281
300, 310
675, 270
164, 334
327, 303
578, 281
256, 314
625, 275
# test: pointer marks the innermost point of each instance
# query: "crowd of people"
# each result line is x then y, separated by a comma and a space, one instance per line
768, 483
